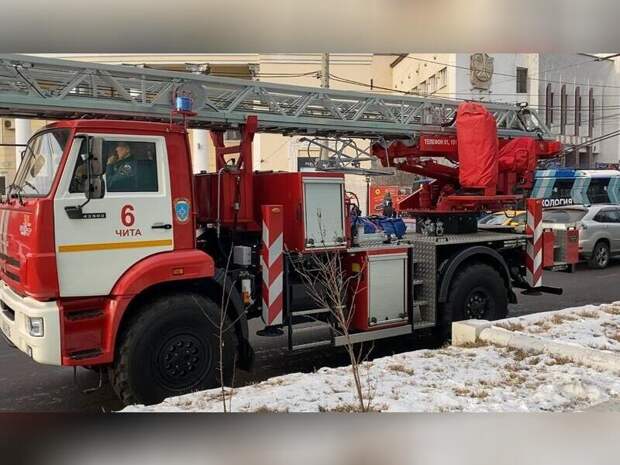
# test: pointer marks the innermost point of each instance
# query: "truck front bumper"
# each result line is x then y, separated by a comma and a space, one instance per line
15, 312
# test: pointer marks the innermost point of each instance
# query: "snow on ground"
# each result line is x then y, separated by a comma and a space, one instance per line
595, 326
473, 379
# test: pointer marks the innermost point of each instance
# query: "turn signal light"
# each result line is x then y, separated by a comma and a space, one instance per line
35, 327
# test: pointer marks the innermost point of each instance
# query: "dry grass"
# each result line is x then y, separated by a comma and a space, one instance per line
473, 393
351, 408
611, 309
614, 336
557, 360
514, 378
558, 319
400, 368
474, 345
518, 354
533, 361
588, 314
512, 326
543, 325
265, 409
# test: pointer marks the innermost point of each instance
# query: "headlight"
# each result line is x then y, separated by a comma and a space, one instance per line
35, 327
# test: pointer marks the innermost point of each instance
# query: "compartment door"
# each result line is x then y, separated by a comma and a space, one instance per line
324, 212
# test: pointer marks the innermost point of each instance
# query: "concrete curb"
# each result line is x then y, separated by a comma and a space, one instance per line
471, 332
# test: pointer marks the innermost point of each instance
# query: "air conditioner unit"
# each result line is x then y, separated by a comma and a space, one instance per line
9, 124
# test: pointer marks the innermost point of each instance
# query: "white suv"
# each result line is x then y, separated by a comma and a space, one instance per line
599, 230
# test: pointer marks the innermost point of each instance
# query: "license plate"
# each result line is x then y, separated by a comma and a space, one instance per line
6, 329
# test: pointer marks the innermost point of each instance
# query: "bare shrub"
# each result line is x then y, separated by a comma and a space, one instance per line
333, 288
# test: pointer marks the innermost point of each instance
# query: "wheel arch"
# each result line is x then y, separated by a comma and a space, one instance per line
476, 254
153, 278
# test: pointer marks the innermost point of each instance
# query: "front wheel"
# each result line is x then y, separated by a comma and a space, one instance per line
172, 348
600, 256
476, 292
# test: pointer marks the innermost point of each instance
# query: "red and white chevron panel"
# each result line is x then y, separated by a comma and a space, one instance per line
534, 229
272, 263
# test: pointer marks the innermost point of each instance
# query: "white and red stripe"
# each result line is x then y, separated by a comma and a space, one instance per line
272, 263
534, 229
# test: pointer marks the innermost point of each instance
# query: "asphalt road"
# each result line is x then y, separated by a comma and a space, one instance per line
27, 387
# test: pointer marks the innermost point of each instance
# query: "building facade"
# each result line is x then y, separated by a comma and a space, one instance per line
576, 95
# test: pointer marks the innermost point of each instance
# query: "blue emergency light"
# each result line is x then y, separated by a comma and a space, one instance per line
183, 103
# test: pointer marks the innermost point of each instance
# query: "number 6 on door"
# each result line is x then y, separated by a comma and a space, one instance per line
127, 216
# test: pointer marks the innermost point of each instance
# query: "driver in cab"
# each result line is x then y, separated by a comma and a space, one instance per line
121, 169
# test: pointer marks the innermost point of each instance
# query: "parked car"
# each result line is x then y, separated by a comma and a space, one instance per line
599, 230
513, 218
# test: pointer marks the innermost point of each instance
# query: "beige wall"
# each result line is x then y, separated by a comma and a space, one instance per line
409, 73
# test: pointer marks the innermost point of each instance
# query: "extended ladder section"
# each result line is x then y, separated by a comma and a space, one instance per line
34, 87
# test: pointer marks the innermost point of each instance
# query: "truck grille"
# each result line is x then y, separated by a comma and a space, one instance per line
7, 311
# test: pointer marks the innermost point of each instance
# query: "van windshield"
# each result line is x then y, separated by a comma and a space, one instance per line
40, 163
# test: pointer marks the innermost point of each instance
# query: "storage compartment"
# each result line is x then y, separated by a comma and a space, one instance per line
233, 190
382, 294
313, 205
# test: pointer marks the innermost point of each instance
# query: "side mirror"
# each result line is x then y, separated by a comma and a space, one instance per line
95, 189
95, 152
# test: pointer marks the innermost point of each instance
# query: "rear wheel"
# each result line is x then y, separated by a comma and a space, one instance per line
172, 348
476, 292
600, 256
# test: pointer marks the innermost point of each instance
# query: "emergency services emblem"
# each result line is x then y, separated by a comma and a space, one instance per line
26, 227
480, 70
181, 210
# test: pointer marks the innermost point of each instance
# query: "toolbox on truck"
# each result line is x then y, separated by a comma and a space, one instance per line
381, 295
313, 205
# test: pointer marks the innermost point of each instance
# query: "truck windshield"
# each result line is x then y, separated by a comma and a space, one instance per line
40, 163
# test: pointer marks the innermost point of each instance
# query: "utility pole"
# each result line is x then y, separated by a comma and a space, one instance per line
323, 154
325, 70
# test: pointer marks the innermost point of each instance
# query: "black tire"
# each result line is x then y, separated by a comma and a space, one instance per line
600, 256
477, 291
171, 348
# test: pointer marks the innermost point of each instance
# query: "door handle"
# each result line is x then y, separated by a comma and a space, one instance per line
161, 226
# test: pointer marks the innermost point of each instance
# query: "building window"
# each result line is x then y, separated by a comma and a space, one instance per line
442, 78
431, 85
521, 80
563, 109
577, 110
423, 88
590, 112
548, 105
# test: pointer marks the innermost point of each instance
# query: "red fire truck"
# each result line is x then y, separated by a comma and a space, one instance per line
115, 256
